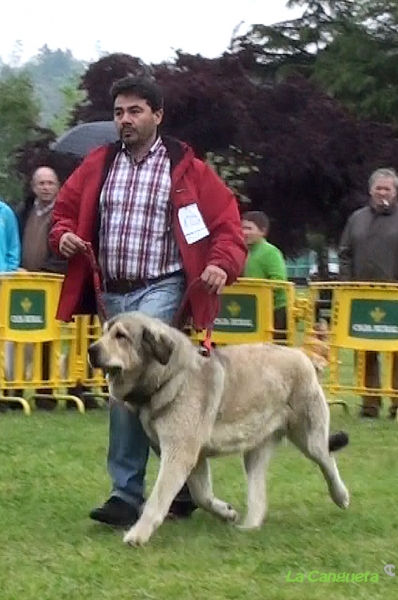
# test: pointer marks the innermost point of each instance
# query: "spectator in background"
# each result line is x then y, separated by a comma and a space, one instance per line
34, 221
10, 256
369, 252
265, 261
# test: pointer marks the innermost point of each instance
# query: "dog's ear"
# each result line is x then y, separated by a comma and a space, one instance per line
106, 325
161, 347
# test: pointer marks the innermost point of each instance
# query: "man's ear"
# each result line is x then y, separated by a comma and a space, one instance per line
160, 347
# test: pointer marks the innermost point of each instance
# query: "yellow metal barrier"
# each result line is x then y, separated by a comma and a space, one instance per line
301, 306
88, 330
247, 313
362, 317
33, 343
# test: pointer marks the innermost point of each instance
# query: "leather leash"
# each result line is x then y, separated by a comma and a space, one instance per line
96, 281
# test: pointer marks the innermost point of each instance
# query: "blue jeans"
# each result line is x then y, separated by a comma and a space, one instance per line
128, 442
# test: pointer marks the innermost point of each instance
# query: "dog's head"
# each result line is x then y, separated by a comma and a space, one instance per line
129, 348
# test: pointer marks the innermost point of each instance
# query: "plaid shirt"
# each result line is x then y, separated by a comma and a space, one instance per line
136, 239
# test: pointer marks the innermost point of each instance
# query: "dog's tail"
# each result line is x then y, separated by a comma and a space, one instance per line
338, 441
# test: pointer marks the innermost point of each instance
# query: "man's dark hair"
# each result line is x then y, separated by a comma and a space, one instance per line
258, 218
142, 87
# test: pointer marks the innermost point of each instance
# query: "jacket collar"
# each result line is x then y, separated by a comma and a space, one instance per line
388, 210
180, 153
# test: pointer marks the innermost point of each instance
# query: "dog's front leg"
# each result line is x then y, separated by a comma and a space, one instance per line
174, 470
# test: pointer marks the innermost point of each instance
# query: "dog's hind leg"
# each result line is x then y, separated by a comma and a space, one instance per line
255, 462
201, 488
311, 436
173, 473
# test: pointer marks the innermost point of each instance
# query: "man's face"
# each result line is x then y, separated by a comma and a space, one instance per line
383, 191
45, 185
251, 233
135, 120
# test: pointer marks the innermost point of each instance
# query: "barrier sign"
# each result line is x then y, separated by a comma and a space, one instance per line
27, 310
238, 314
374, 319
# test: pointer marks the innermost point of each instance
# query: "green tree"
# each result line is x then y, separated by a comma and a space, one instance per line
19, 117
360, 70
358, 66
54, 74
72, 96
350, 47
292, 46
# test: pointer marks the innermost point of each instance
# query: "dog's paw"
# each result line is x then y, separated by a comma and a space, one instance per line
225, 511
248, 526
253, 520
136, 536
231, 514
343, 500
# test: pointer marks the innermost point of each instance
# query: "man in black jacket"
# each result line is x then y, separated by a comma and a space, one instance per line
369, 252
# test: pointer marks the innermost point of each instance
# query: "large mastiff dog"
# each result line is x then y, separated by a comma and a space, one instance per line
244, 398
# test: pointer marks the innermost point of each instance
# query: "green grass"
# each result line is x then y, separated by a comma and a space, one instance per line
53, 471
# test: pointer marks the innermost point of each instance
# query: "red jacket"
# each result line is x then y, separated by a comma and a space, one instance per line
192, 181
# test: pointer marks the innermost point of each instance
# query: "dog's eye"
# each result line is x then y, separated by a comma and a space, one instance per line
119, 335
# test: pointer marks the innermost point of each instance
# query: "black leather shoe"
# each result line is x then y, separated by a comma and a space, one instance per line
80, 391
45, 403
182, 506
369, 412
115, 512
181, 510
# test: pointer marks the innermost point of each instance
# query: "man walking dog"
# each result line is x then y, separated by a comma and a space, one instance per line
158, 219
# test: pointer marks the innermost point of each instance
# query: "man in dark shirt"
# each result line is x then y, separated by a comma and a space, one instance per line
369, 252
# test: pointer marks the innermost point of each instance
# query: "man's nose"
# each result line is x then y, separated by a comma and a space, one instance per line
126, 118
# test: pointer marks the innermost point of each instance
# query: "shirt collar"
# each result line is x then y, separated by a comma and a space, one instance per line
152, 150
41, 210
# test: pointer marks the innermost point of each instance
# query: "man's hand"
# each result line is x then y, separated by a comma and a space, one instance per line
214, 279
70, 244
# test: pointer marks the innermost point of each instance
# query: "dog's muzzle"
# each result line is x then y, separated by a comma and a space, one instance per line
94, 356
98, 361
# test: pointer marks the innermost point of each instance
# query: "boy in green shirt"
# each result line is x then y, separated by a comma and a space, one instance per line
265, 261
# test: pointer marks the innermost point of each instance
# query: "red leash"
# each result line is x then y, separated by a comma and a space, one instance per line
97, 282
215, 306
213, 299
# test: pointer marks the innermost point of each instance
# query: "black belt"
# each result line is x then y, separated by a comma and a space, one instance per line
126, 286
